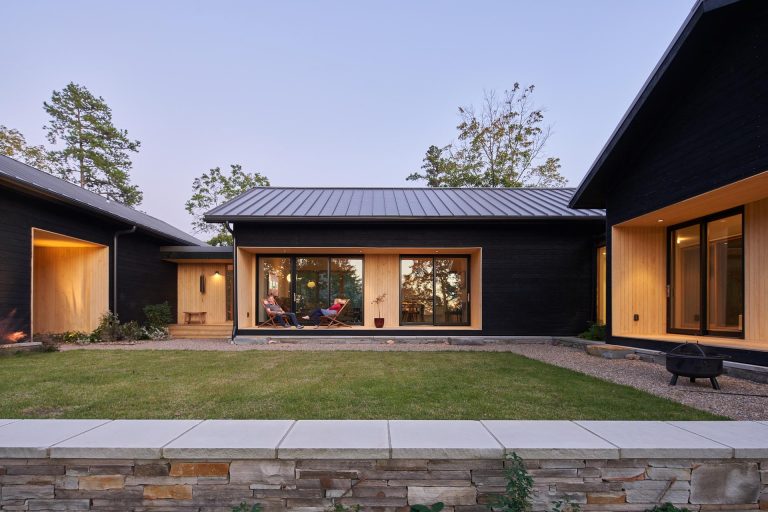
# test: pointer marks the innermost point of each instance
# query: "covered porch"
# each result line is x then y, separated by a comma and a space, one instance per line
695, 271
424, 288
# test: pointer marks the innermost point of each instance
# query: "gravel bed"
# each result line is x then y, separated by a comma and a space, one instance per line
734, 401
739, 399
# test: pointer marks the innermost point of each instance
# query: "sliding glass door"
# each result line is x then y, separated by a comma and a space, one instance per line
706, 276
303, 283
434, 290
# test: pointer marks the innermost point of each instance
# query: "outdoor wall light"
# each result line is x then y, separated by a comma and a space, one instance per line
216, 274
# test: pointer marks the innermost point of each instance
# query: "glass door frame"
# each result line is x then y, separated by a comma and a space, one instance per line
292, 258
703, 222
402, 257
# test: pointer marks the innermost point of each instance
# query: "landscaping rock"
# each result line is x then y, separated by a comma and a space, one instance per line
736, 483
101, 482
166, 492
609, 351
265, 471
448, 495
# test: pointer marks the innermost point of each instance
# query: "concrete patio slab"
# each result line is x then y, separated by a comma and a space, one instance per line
432, 439
123, 439
336, 439
236, 439
550, 440
749, 439
644, 439
32, 438
6, 422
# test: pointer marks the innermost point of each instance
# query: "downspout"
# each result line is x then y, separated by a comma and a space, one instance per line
234, 279
114, 265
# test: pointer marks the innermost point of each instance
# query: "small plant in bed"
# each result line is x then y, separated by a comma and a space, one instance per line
595, 332
518, 496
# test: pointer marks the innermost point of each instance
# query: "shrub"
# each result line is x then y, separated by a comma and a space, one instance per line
133, 331
518, 496
109, 328
595, 332
158, 315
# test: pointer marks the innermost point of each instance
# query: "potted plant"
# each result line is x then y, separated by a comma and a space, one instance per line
379, 320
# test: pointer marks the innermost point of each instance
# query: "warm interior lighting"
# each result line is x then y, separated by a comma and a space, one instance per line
660, 220
217, 274
311, 284
288, 278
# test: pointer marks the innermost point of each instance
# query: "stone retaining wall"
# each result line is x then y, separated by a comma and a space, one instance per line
383, 484
380, 465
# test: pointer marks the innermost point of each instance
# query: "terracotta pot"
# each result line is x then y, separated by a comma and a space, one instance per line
378, 322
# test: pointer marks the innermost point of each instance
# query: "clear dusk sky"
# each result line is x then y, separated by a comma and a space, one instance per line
336, 93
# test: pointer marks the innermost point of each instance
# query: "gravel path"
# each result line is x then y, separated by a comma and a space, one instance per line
737, 399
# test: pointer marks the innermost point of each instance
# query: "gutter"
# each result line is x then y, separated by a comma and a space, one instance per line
114, 264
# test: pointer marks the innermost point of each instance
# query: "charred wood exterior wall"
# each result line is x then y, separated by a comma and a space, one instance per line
538, 278
143, 278
709, 124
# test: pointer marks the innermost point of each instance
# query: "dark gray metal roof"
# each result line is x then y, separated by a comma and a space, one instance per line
25, 177
281, 203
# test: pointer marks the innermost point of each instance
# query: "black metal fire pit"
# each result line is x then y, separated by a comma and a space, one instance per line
695, 362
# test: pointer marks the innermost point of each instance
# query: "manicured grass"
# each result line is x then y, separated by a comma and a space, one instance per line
302, 385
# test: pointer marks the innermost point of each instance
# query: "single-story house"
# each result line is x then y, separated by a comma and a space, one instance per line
684, 183
461, 261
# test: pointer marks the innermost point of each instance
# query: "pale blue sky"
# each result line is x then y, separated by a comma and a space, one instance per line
325, 93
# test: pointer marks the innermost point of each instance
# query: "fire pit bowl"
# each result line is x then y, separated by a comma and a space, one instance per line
695, 362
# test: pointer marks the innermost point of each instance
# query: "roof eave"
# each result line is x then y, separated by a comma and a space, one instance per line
487, 218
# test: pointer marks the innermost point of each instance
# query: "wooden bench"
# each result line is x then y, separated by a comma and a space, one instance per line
190, 315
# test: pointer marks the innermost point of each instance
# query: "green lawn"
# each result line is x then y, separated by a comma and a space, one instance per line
302, 385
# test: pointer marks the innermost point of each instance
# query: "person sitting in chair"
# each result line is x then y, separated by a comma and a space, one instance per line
319, 313
280, 315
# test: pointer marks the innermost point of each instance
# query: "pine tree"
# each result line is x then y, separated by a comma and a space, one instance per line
94, 153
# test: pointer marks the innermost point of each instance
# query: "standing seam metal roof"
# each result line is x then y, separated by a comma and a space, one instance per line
399, 203
28, 177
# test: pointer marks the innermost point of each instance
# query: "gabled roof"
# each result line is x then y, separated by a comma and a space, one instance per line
22, 176
283, 203
591, 190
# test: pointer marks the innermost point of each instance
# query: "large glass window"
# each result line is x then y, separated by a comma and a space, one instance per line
706, 277
434, 290
303, 283
275, 279
347, 283
725, 275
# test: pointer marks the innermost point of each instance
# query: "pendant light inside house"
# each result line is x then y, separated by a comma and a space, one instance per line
311, 284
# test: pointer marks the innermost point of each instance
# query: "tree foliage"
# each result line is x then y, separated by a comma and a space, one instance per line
94, 153
14, 145
215, 187
499, 145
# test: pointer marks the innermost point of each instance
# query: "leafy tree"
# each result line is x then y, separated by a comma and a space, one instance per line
502, 145
94, 154
213, 188
14, 145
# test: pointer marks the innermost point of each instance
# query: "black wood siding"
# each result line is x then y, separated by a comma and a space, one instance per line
709, 124
143, 277
538, 277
